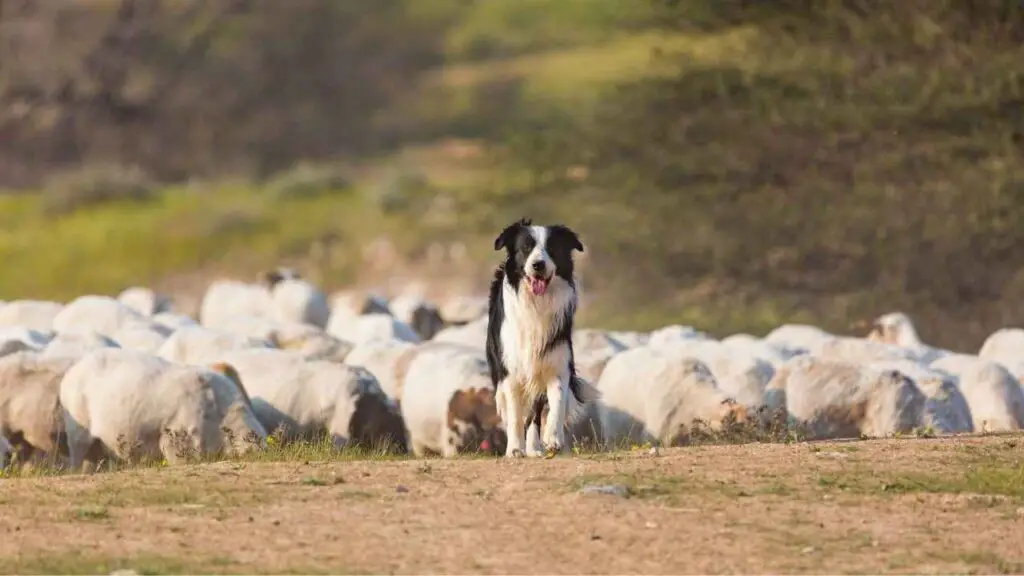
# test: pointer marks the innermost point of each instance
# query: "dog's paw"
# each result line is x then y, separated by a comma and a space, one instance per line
515, 453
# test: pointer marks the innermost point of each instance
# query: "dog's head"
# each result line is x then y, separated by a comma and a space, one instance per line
535, 255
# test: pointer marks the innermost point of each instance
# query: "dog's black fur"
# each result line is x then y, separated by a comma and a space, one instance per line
518, 242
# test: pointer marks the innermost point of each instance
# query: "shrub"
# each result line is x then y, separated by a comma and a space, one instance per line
305, 180
94, 185
402, 190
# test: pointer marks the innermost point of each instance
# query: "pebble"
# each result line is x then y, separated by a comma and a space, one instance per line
611, 489
807, 550
401, 489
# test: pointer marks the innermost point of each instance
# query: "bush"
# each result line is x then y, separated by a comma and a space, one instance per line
849, 163
402, 189
305, 180
94, 185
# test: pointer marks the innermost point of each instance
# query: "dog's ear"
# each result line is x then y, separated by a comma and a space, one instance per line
509, 233
567, 235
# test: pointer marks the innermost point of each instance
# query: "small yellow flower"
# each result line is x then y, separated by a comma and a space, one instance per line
271, 441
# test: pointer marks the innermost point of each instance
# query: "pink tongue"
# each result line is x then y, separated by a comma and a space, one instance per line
538, 286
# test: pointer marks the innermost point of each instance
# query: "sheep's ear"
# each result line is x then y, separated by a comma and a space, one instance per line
568, 236
272, 277
508, 235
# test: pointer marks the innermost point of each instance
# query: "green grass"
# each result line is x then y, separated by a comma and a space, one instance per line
103, 249
1000, 479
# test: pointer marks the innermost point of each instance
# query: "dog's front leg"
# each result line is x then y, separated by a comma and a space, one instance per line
514, 422
553, 434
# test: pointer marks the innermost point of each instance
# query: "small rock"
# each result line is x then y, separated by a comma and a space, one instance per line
650, 524
807, 550
874, 543
124, 572
1020, 512
277, 522
594, 536
401, 489
612, 489
653, 451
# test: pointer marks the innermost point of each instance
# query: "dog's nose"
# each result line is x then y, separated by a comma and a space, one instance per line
538, 266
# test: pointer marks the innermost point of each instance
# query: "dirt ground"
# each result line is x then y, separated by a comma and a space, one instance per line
913, 505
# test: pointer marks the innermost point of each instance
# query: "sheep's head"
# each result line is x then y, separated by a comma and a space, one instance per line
427, 321
893, 328
242, 431
474, 423
271, 278
377, 423
730, 413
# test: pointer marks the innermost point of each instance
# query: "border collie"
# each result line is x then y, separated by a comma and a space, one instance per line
531, 308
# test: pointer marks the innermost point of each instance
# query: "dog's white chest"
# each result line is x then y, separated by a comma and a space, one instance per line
528, 327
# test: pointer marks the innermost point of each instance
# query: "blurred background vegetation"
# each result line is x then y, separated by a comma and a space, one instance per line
731, 164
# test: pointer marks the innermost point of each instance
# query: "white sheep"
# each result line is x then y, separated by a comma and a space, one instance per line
472, 334
773, 353
198, 345
1005, 346
945, 410
140, 338
351, 303
133, 404
29, 407
77, 344
5, 452
387, 360
650, 395
741, 375
674, 334
33, 314
630, 338
172, 320
369, 327
993, 394
296, 300
13, 340
422, 316
306, 398
860, 350
592, 350
461, 309
310, 341
799, 337
102, 314
225, 300
34, 338
838, 399
897, 329
145, 301
448, 402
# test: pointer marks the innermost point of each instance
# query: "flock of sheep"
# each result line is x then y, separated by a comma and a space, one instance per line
127, 378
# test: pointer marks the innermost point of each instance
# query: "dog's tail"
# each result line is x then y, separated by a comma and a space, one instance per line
583, 393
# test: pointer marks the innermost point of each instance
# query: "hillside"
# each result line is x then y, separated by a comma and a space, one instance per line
730, 166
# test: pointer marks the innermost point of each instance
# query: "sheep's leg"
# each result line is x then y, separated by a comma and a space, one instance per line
553, 435
79, 443
449, 449
417, 449
513, 404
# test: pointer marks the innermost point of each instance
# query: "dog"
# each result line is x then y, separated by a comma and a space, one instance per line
531, 308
